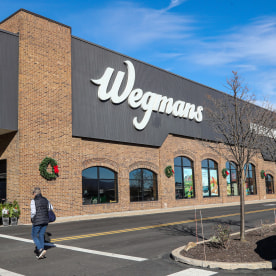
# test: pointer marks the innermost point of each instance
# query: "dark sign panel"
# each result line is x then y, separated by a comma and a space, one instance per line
118, 98
8, 81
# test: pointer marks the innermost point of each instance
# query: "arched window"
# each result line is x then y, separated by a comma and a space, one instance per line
210, 185
184, 178
250, 180
143, 185
269, 183
232, 181
99, 185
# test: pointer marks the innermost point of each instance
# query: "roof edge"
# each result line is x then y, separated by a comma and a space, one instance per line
37, 15
7, 32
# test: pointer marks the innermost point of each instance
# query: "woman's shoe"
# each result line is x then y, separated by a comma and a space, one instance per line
41, 253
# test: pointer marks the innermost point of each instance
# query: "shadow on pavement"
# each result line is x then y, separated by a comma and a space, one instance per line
266, 248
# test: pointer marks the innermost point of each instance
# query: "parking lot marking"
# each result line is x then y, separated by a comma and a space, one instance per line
151, 226
4, 272
193, 272
15, 238
101, 253
73, 248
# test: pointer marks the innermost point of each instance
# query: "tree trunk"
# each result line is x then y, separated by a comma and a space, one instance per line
242, 213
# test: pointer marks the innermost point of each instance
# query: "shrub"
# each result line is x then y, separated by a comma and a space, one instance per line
221, 237
14, 209
5, 210
263, 228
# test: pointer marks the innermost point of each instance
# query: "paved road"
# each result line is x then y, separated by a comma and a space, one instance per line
135, 245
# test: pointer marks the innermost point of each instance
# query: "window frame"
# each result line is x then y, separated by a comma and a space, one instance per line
95, 200
182, 166
249, 178
229, 165
142, 184
209, 168
266, 184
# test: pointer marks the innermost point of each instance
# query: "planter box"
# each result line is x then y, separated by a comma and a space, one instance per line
14, 221
6, 221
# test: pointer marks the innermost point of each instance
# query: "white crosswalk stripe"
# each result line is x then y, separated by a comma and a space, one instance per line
96, 252
4, 272
193, 272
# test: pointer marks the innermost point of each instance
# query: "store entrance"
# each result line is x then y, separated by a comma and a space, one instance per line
3, 180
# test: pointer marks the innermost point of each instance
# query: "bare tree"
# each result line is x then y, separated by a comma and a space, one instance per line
240, 129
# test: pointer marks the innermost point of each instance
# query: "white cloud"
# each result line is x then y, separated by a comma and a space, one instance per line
246, 67
266, 82
248, 49
127, 25
252, 44
175, 3
170, 55
171, 40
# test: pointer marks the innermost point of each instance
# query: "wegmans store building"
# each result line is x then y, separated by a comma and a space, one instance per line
112, 123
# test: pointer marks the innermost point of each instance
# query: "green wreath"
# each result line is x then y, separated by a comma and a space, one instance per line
225, 173
263, 174
169, 171
43, 168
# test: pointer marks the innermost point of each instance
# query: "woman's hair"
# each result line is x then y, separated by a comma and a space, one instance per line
37, 191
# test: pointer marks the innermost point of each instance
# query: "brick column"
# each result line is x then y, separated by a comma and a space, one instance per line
44, 110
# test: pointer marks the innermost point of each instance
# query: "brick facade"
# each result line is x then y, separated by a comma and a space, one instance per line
44, 111
45, 129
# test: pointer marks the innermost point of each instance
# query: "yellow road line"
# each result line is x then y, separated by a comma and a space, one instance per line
151, 226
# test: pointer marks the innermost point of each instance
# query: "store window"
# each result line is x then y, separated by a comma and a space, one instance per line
250, 180
269, 183
184, 178
232, 181
210, 185
143, 185
99, 185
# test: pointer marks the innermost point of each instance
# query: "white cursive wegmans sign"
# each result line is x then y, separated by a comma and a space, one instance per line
147, 101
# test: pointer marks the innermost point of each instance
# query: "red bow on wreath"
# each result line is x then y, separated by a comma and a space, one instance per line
227, 173
56, 169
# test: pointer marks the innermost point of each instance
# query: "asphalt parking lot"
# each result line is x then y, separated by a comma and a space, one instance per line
133, 245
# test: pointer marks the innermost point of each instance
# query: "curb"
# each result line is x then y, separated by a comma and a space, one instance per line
177, 256
223, 265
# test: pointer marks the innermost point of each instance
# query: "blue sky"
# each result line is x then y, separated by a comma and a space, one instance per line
198, 39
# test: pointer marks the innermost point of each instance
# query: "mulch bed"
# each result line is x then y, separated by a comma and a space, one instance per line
260, 246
